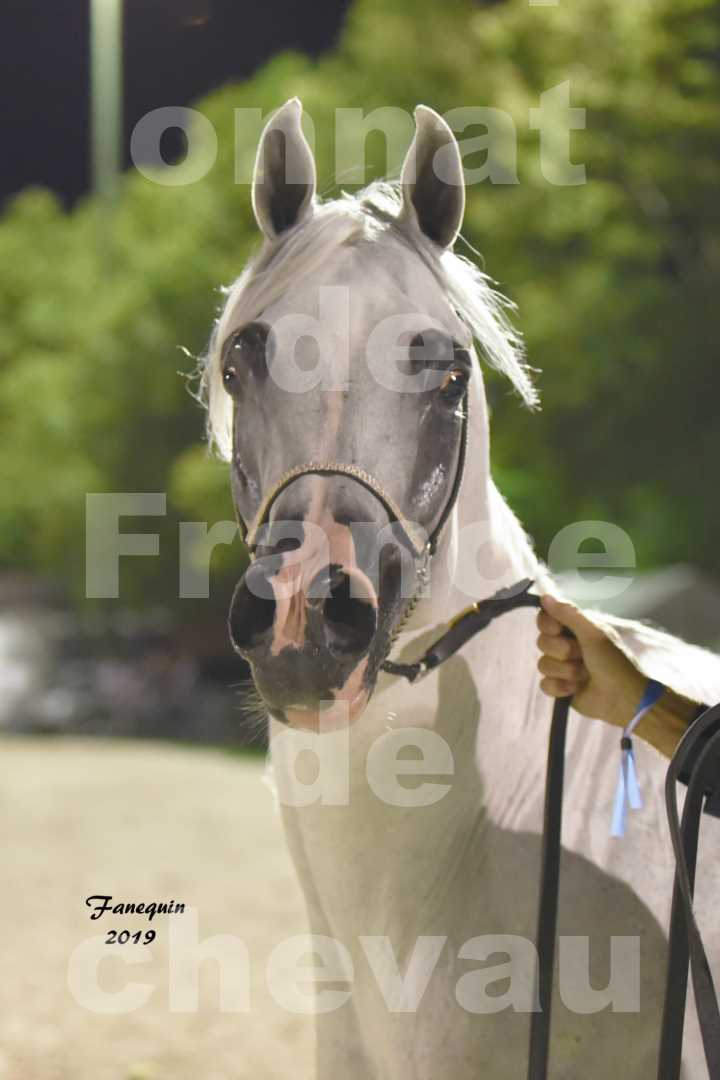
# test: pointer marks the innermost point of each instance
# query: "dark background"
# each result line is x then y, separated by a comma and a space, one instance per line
175, 51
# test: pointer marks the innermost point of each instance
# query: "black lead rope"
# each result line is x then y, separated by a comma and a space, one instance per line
465, 626
686, 949
540, 1019
698, 753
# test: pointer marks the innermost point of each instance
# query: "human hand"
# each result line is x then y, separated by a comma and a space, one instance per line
602, 680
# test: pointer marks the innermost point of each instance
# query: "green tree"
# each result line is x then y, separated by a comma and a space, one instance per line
616, 281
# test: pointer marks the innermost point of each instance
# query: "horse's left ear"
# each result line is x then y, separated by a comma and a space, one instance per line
433, 185
283, 186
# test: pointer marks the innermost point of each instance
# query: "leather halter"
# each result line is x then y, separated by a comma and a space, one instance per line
412, 533
422, 545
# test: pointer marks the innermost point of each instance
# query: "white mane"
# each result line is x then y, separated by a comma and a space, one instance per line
369, 215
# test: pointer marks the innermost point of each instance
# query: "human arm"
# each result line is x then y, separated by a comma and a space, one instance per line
603, 680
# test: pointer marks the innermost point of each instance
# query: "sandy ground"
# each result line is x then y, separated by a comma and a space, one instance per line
140, 821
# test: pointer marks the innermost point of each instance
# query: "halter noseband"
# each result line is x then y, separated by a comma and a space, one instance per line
423, 545
413, 534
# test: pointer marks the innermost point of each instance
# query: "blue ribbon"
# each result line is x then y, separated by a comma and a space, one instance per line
627, 793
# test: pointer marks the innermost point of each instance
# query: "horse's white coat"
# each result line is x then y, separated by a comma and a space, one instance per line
467, 865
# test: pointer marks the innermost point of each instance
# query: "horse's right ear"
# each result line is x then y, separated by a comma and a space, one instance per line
283, 186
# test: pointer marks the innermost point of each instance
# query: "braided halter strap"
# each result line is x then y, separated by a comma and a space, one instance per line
416, 536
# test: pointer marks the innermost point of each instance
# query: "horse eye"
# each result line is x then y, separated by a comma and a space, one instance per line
229, 377
454, 385
244, 351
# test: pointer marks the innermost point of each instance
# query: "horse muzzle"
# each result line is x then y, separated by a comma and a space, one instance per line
306, 631
335, 567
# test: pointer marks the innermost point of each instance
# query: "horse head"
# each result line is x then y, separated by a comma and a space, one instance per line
337, 380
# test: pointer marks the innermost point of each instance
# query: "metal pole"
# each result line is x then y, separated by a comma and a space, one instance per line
106, 88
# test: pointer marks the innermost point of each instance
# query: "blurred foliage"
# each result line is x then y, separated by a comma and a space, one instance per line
616, 280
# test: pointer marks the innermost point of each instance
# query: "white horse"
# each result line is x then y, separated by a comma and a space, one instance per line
417, 903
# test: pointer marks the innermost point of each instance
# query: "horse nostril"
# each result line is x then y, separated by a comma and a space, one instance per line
350, 621
252, 610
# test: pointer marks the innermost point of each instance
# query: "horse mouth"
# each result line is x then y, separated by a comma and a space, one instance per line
338, 709
327, 718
